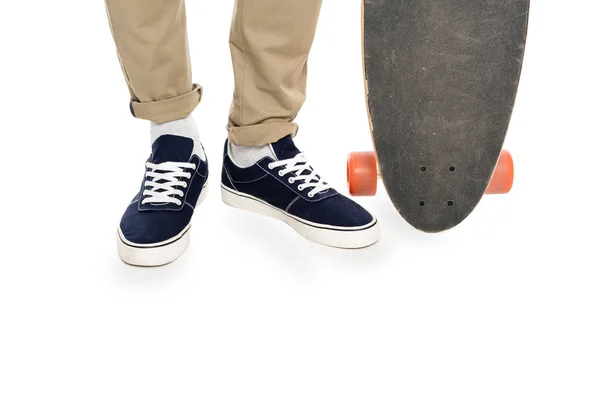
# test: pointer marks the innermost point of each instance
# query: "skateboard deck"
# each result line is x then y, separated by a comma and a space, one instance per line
441, 79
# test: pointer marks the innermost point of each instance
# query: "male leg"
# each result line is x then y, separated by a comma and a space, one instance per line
263, 171
151, 41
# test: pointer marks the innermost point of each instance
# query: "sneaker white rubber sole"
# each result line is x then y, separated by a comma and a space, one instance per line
333, 236
156, 254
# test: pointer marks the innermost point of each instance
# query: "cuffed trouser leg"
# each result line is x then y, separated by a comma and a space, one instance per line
270, 41
151, 40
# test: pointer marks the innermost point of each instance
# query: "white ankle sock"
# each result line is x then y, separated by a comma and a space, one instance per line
185, 127
247, 156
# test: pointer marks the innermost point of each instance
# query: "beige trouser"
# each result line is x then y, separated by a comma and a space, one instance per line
270, 41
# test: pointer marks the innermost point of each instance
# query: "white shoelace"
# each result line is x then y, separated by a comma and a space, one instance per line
162, 187
299, 165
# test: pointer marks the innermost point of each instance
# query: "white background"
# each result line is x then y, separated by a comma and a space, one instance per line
506, 306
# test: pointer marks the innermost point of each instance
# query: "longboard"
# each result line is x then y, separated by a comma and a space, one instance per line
441, 79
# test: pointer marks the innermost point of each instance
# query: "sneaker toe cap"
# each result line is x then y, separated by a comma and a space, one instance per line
152, 227
337, 211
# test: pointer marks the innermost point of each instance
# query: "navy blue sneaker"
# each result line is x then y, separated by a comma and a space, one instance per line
284, 186
155, 229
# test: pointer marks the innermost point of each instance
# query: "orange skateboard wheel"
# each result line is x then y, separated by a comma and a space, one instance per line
362, 173
504, 175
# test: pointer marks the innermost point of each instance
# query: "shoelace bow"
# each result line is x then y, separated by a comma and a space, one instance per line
163, 180
300, 166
